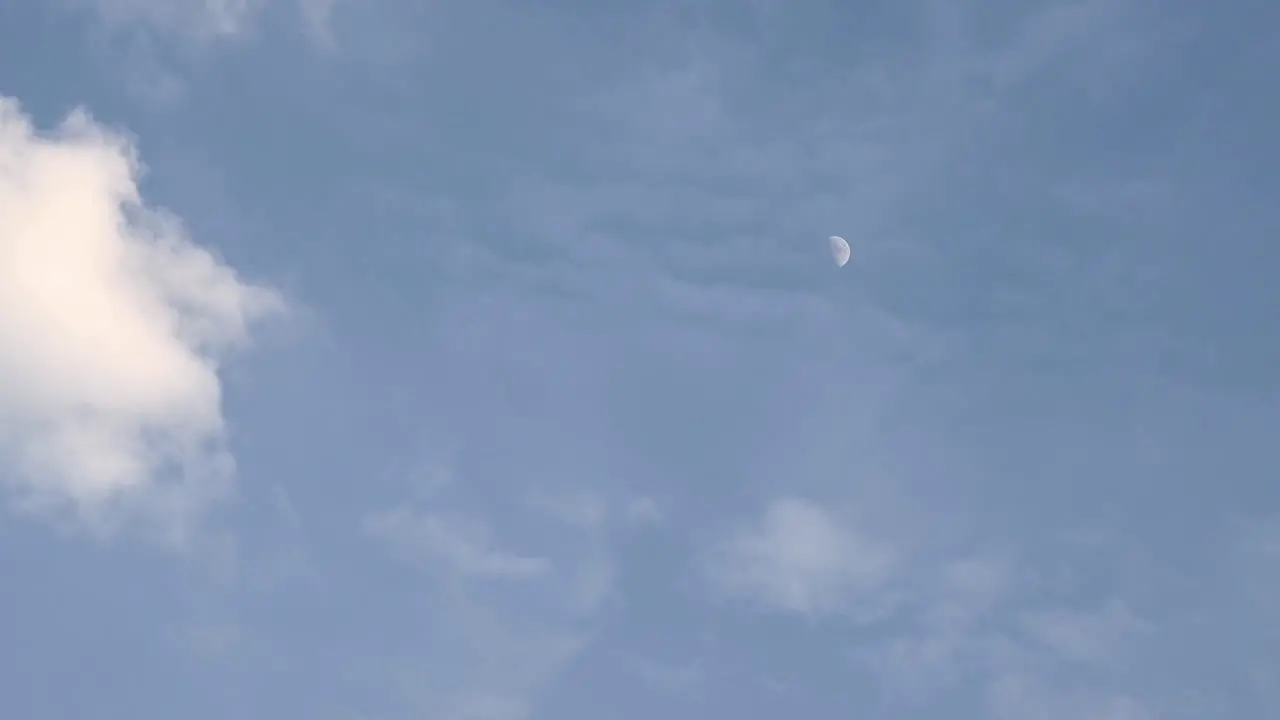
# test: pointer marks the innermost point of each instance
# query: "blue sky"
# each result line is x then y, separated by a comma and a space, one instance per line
484, 361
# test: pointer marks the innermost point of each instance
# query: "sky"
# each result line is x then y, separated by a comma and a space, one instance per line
485, 360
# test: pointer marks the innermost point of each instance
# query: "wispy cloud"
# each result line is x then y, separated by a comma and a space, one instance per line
1096, 639
643, 510
1019, 694
317, 18
639, 300
504, 646
979, 623
200, 19
207, 21
113, 325
691, 201
800, 558
1089, 44
595, 514
464, 545
668, 676
725, 188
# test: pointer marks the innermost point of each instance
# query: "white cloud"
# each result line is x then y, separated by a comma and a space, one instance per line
974, 625
504, 644
670, 676
499, 673
1261, 540
112, 326
199, 18
317, 18
207, 20
211, 640
643, 510
971, 587
953, 633
464, 546
1019, 695
1094, 44
489, 706
1094, 639
591, 513
581, 510
799, 558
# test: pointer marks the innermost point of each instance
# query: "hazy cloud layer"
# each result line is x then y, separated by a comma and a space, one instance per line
586, 424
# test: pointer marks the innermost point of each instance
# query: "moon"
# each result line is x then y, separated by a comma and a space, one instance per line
839, 250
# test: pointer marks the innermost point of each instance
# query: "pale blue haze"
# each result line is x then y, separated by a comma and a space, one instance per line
576, 420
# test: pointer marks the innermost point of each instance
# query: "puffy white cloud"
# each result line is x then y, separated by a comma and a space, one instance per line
800, 558
112, 325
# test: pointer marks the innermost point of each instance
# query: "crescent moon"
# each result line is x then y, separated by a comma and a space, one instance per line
839, 250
